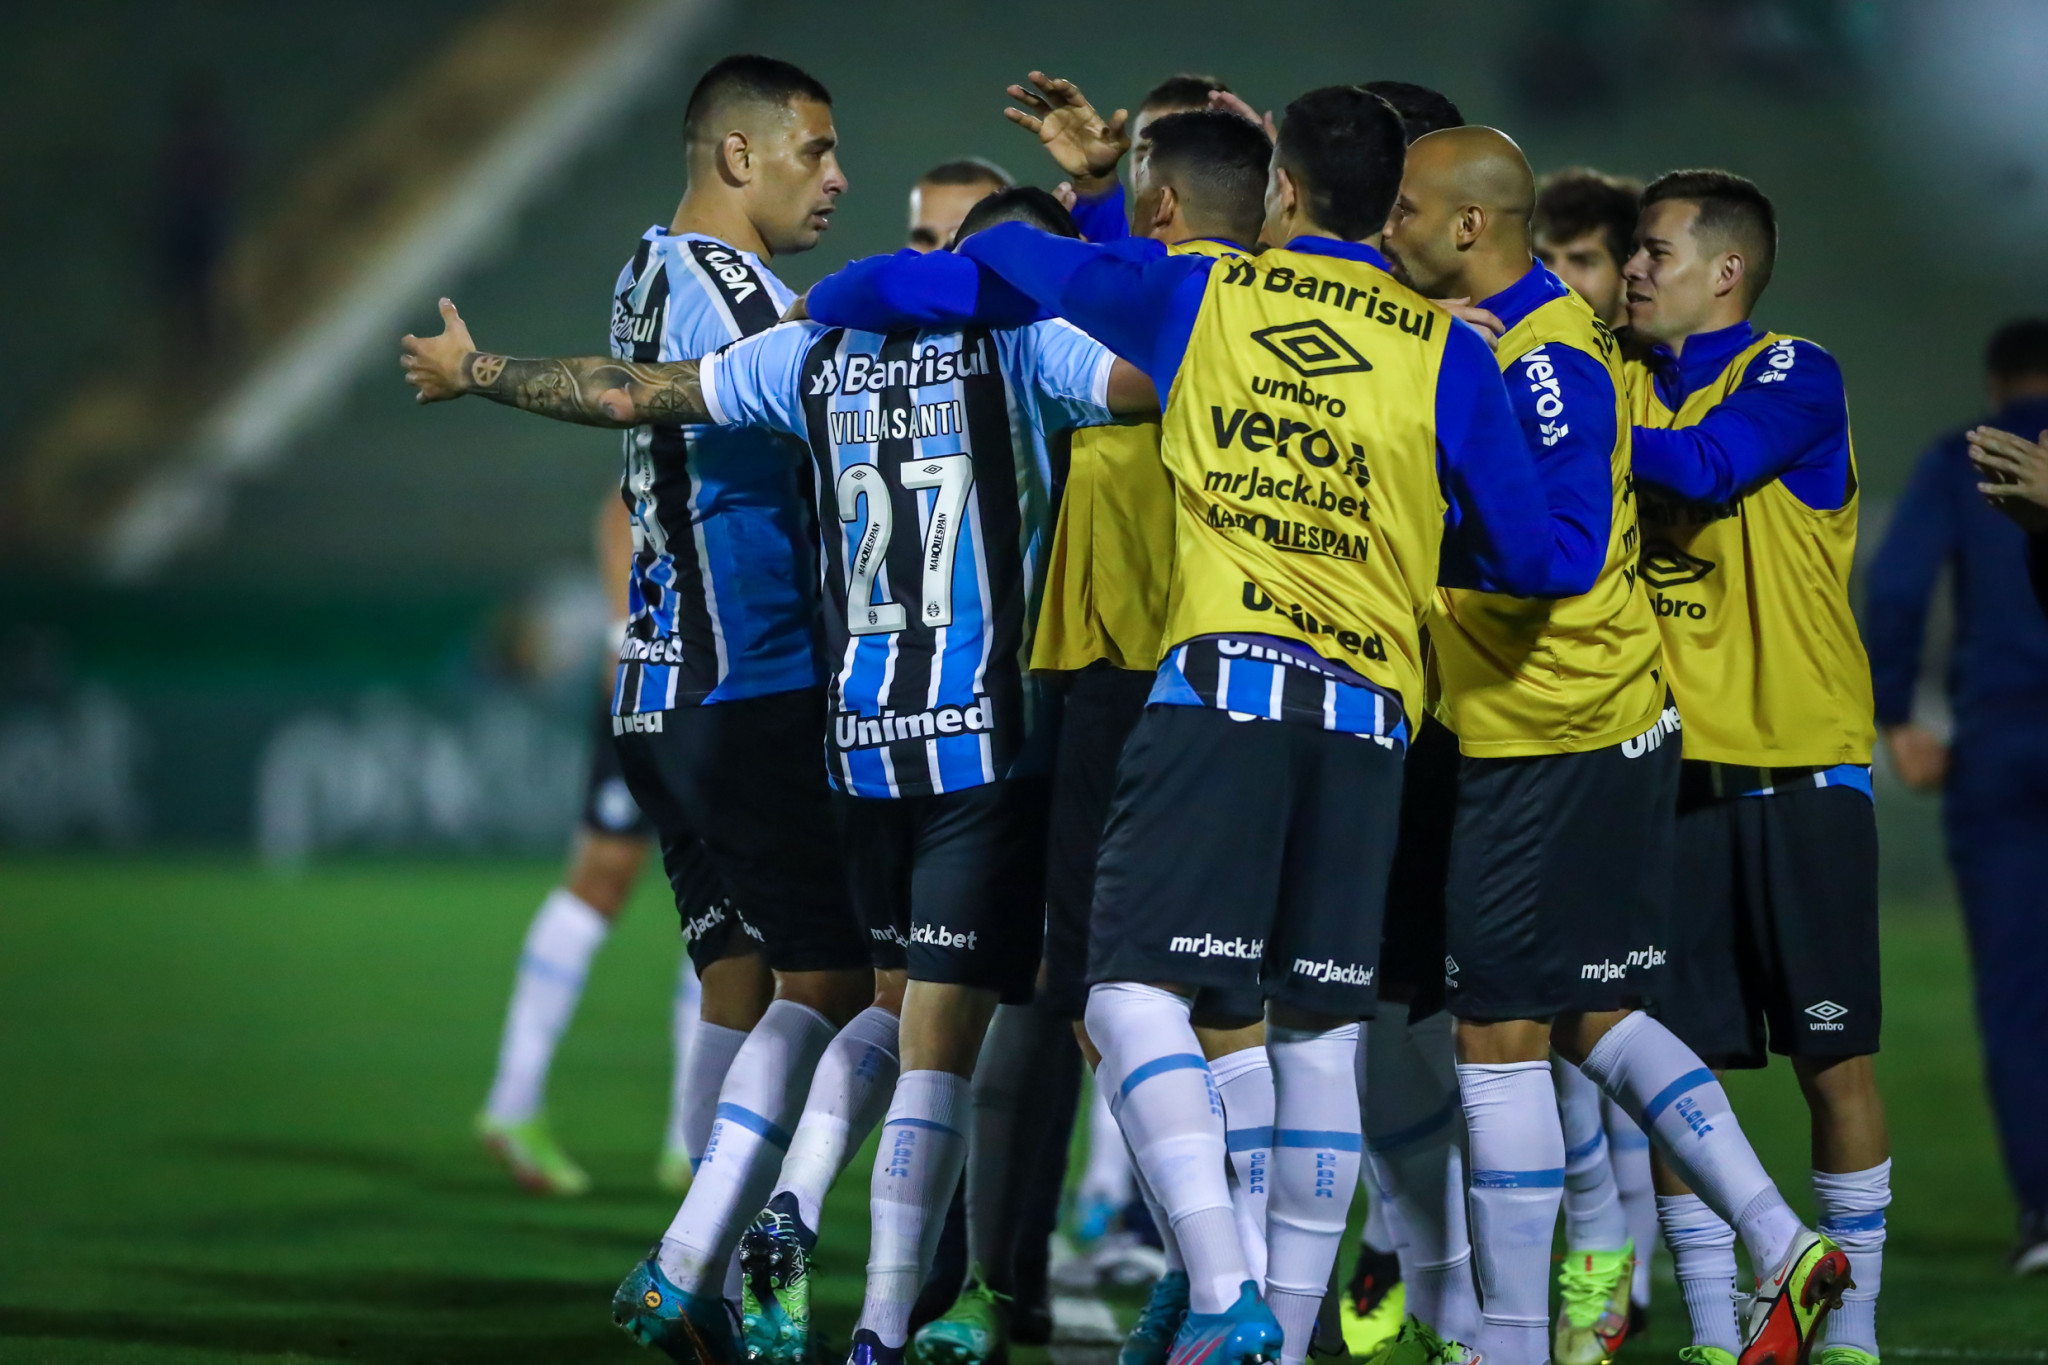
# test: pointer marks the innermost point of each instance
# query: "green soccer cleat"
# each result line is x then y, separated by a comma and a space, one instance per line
1592, 1310
689, 1329
533, 1156
673, 1171
974, 1331
775, 1284
1374, 1304
1843, 1355
1704, 1355
1791, 1306
1416, 1343
1151, 1340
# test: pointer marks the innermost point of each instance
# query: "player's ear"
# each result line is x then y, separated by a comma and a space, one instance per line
1471, 223
1728, 276
1167, 205
735, 158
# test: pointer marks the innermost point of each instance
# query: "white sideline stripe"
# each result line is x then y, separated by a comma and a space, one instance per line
1951, 1353
1078, 1320
248, 430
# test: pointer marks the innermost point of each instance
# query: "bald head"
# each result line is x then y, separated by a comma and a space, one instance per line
1461, 221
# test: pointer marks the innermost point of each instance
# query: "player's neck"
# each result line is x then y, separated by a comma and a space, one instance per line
1719, 320
1486, 273
719, 214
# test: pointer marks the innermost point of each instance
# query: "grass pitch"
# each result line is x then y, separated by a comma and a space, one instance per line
235, 1107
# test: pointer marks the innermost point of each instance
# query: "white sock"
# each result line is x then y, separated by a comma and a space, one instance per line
1414, 1126
1000, 1073
1169, 1245
1593, 1216
712, 1049
1703, 1259
559, 945
1316, 1150
682, 1027
1852, 1209
1517, 1184
1662, 1084
763, 1091
1167, 1105
924, 1144
1107, 1178
1244, 1080
1629, 1151
850, 1092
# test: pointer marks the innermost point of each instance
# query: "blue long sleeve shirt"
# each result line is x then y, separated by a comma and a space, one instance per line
1103, 217
1998, 668
1788, 419
1142, 303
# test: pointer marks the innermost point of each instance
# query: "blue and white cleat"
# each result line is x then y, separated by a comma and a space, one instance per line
1151, 1341
1246, 1333
690, 1329
869, 1350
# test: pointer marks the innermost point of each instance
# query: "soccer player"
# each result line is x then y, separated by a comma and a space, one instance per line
1994, 804
943, 194
1748, 485
1256, 801
1584, 231
611, 844
1559, 830
930, 745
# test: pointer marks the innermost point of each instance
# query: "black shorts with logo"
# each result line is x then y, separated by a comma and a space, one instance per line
951, 886
1776, 920
746, 779
1412, 945
608, 804
1559, 879
1247, 853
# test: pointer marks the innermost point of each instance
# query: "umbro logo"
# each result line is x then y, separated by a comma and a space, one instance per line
1666, 567
1826, 1015
1312, 349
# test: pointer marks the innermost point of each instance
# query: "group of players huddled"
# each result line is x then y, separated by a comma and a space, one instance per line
1317, 575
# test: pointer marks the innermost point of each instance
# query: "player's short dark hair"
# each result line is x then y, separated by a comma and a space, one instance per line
1186, 90
968, 170
1344, 149
1422, 109
748, 77
1018, 204
2018, 348
1731, 208
1217, 163
1577, 200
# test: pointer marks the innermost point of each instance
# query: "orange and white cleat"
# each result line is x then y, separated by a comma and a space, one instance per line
1785, 1322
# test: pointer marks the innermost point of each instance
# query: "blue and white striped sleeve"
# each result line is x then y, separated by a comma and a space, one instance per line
1072, 373
758, 382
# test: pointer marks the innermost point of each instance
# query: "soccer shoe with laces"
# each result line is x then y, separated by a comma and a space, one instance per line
1151, 1341
1592, 1310
1374, 1303
1245, 1333
1704, 1355
1417, 1343
1790, 1307
775, 1284
1843, 1355
869, 1350
691, 1329
974, 1331
530, 1152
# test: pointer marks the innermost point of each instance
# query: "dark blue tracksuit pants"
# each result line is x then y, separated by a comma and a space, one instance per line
1996, 814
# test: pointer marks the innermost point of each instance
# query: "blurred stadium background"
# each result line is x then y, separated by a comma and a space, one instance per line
294, 678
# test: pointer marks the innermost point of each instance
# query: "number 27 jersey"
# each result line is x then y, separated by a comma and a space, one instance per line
935, 508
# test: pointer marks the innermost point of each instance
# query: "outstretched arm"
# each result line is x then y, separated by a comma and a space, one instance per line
594, 391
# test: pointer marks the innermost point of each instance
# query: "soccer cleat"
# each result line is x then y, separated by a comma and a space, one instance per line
1843, 1355
1791, 1306
869, 1350
1374, 1303
1246, 1333
2030, 1252
688, 1328
533, 1156
974, 1331
1593, 1306
1704, 1355
673, 1171
775, 1284
1416, 1343
1151, 1341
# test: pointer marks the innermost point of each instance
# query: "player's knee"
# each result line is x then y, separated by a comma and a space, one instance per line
603, 870
1499, 1042
838, 994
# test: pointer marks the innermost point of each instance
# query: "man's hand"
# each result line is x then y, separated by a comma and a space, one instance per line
1086, 146
798, 309
1919, 758
2016, 474
1488, 326
437, 367
1222, 101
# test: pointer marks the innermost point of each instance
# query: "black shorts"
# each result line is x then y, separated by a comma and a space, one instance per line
1412, 945
1776, 918
608, 804
747, 779
952, 886
1560, 874
1247, 853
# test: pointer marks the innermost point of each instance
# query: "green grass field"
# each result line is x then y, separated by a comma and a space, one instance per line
234, 1126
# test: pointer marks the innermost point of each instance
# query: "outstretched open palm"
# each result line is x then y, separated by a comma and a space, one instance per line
1085, 145
433, 365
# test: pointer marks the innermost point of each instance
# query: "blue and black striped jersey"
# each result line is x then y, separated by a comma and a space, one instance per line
722, 603
931, 447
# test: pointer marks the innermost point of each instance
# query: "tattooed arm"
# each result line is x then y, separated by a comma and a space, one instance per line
596, 391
